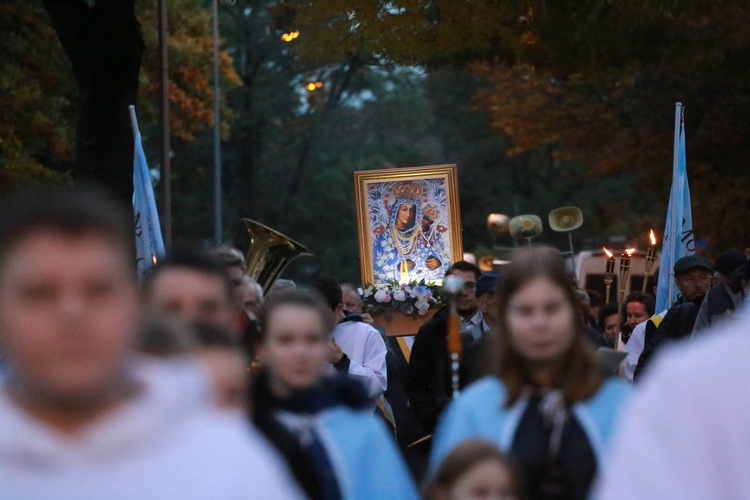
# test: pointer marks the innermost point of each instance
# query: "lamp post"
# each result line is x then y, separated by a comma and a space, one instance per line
217, 126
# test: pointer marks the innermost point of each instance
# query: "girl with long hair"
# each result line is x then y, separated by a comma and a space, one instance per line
547, 402
323, 427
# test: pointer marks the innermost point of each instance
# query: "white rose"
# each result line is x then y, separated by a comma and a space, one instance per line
399, 295
381, 295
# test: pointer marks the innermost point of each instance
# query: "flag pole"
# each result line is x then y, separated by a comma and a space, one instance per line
133, 120
673, 200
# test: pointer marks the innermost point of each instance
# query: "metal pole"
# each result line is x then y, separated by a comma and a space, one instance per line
217, 127
166, 170
673, 199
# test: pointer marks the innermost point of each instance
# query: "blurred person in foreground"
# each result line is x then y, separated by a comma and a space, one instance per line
279, 286
686, 433
475, 470
323, 425
82, 415
195, 286
549, 404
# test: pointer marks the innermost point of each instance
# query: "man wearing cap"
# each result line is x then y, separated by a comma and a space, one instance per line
726, 296
692, 275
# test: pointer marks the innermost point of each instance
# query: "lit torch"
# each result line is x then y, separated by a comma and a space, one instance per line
650, 258
609, 275
624, 273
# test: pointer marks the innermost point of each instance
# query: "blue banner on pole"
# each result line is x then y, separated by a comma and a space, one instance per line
149, 244
679, 239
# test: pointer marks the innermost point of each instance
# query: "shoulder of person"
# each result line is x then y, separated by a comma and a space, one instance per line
437, 322
347, 393
483, 392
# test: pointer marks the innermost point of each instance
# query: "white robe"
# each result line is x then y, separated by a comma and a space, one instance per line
366, 351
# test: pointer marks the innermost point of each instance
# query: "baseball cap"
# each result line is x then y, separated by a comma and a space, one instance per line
690, 262
487, 282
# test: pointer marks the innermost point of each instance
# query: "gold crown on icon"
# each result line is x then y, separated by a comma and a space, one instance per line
407, 191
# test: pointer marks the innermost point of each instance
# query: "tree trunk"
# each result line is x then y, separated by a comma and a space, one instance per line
104, 45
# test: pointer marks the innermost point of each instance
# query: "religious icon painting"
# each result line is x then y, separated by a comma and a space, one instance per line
409, 223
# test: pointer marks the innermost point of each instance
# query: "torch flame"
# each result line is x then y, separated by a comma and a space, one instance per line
653, 237
630, 251
609, 254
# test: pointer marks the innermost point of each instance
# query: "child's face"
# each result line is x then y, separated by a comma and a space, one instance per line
488, 480
295, 347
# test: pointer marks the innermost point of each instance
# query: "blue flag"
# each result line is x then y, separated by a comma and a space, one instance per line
149, 245
678, 238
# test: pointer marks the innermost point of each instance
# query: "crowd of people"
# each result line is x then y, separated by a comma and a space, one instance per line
198, 383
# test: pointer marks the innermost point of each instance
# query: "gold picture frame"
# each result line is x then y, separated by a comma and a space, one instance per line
421, 242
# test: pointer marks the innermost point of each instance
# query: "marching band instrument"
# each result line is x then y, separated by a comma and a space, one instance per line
269, 253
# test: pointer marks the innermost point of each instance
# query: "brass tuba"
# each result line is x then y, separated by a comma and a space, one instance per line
269, 253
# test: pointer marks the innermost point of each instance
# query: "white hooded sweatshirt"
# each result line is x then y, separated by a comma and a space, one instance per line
165, 442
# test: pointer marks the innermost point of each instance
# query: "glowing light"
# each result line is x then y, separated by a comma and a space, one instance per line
630, 251
610, 255
653, 237
314, 85
288, 37
153, 259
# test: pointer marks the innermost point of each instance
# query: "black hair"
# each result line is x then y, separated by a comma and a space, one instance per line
465, 266
68, 210
643, 298
607, 310
330, 290
193, 260
595, 298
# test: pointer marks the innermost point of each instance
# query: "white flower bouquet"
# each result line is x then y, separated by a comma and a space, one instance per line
411, 299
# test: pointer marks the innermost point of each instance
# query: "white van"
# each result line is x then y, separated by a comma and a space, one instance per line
590, 266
